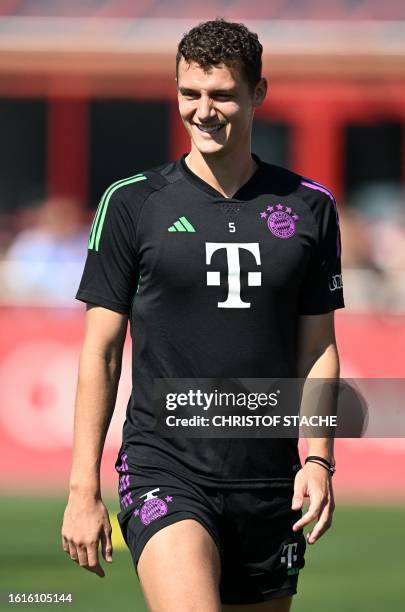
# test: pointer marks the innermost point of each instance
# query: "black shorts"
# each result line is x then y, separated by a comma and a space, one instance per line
260, 554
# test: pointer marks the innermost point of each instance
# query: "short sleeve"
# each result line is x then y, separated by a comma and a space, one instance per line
322, 288
111, 272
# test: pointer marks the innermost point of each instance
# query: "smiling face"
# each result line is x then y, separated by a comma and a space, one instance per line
217, 107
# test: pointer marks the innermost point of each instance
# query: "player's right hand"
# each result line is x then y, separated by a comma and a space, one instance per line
85, 524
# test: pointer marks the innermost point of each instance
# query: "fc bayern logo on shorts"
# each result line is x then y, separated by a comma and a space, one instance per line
280, 220
153, 507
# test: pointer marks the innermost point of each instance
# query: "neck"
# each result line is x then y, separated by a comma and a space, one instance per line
226, 174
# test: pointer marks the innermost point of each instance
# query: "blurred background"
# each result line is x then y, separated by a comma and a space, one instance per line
87, 96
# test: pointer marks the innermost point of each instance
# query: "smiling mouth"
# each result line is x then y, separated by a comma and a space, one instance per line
210, 129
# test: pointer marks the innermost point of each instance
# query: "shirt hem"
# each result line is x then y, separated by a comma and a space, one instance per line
325, 310
235, 483
85, 296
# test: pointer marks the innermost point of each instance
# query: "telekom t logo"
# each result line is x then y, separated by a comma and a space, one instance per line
232, 253
289, 554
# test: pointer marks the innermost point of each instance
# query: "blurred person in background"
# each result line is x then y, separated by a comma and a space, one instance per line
42, 265
208, 522
361, 274
381, 209
373, 229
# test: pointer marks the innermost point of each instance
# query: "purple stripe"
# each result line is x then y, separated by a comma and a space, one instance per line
124, 465
318, 187
126, 499
124, 483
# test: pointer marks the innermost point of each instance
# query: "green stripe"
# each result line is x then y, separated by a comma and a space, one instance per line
98, 221
179, 227
95, 219
101, 206
171, 229
187, 224
103, 214
94, 222
100, 209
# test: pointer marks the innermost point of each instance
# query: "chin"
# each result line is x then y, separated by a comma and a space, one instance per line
210, 152
212, 148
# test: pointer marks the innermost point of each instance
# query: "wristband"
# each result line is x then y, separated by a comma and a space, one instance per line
322, 462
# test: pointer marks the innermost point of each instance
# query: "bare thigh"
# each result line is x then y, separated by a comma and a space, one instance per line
179, 569
280, 604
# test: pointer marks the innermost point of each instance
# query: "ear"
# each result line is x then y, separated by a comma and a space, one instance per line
260, 92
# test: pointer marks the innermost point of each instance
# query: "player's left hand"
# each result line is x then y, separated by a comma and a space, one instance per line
315, 482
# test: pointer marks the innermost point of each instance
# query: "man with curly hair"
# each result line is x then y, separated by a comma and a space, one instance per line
224, 265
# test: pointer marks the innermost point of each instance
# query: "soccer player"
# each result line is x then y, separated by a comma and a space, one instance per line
226, 266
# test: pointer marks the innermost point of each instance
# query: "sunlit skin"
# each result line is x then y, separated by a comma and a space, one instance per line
219, 98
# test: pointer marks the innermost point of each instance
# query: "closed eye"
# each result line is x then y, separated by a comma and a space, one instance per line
189, 94
223, 96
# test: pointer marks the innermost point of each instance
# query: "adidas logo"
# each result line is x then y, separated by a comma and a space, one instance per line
181, 225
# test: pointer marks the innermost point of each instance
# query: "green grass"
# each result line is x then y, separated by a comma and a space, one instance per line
32, 560
358, 565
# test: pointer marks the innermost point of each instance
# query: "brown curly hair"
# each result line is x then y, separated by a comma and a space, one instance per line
223, 42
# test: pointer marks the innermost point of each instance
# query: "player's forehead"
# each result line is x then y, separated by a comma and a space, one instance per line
192, 75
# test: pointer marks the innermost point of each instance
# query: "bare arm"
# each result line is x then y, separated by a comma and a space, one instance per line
318, 358
86, 519
99, 373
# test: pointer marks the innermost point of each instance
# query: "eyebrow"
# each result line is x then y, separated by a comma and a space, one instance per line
185, 90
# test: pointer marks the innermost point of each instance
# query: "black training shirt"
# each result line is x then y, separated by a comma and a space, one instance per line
213, 288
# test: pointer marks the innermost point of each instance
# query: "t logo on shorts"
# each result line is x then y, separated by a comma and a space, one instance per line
288, 554
232, 253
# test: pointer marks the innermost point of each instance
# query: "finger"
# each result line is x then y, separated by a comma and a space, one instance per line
65, 544
298, 496
323, 524
73, 552
106, 544
82, 555
311, 514
93, 561
298, 499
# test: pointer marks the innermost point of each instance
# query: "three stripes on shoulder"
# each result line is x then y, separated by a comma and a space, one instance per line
99, 217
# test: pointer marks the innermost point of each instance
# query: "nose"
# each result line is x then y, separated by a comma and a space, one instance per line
204, 109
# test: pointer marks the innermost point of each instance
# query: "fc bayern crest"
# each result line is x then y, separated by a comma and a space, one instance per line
280, 220
153, 507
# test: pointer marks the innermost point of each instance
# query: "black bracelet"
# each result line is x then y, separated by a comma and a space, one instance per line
321, 459
322, 462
